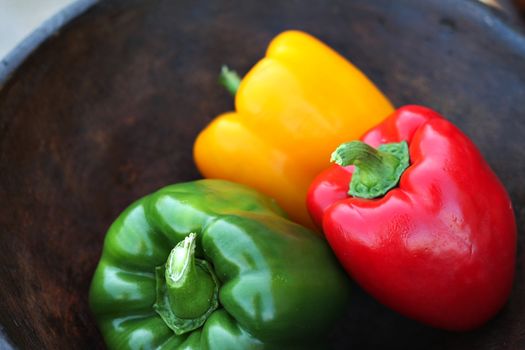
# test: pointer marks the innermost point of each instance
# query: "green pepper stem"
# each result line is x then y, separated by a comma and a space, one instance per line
377, 170
230, 80
190, 287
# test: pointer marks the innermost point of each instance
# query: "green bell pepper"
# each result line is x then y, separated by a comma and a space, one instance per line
211, 264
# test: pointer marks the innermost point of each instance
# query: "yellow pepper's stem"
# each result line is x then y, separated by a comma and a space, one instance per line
230, 80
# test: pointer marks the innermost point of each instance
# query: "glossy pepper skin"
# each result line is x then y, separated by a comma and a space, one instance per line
441, 246
279, 285
292, 108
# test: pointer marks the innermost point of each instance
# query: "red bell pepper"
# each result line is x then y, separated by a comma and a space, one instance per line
426, 227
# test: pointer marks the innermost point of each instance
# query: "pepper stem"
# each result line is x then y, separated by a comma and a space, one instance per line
229, 79
187, 289
376, 170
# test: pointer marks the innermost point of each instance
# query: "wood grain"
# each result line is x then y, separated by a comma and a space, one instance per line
107, 111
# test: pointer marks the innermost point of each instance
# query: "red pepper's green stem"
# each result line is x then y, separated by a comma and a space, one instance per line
187, 291
230, 80
376, 170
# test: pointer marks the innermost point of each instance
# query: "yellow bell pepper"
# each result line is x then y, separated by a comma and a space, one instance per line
292, 109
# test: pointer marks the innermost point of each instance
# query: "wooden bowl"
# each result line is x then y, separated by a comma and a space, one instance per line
107, 111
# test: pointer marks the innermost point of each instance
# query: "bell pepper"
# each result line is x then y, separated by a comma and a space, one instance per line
214, 265
417, 217
295, 105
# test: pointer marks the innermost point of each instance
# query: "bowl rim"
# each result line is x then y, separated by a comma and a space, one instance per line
14, 58
18, 55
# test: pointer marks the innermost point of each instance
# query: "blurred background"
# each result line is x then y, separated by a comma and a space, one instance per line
18, 18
